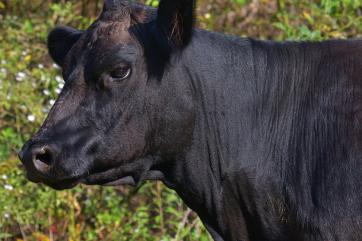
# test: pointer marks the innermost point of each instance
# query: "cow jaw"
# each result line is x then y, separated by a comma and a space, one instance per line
132, 173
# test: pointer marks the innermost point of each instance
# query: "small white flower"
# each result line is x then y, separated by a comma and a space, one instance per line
46, 92
6, 215
57, 90
56, 66
8, 97
59, 79
8, 187
61, 85
41, 66
31, 118
25, 52
20, 76
4, 71
4, 177
3, 62
51, 102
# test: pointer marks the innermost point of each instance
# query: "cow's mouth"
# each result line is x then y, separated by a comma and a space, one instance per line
106, 178
133, 173
66, 183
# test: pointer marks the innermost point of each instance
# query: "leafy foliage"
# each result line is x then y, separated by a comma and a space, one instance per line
29, 83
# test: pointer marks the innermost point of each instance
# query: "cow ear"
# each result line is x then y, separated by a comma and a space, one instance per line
60, 41
174, 23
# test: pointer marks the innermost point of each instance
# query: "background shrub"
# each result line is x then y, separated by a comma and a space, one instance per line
30, 82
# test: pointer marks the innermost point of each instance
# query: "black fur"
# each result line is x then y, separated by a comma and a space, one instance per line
60, 41
262, 139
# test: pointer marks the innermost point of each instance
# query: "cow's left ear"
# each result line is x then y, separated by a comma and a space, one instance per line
174, 23
60, 41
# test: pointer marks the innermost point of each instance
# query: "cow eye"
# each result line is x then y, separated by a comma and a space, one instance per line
120, 73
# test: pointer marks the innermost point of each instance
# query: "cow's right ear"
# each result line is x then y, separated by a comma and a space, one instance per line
60, 41
175, 20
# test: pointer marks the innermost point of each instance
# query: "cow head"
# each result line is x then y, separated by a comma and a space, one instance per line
125, 108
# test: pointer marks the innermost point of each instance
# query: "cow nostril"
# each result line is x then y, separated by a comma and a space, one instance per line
43, 159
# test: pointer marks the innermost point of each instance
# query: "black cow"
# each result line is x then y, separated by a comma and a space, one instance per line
262, 139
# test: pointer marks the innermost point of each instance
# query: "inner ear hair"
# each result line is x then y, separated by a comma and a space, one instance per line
175, 20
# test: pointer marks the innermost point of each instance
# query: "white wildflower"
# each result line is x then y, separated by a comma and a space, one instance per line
3, 62
41, 66
4, 177
8, 187
52, 102
57, 90
4, 71
59, 79
56, 66
31, 118
20, 76
61, 85
6, 215
46, 92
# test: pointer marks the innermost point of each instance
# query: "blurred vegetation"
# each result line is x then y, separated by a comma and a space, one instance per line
29, 83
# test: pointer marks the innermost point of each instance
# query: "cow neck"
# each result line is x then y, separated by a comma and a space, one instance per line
220, 96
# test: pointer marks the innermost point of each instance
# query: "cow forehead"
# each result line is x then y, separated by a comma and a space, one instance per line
99, 39
105, 35
113, 24
111, 32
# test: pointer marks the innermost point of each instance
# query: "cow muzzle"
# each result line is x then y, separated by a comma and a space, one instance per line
40, 157
40, 161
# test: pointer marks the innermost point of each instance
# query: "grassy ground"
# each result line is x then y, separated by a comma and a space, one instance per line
29, 83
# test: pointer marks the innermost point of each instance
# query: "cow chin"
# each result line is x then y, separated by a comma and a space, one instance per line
58, 184
105, 180
112, 177
62, 185
128, 173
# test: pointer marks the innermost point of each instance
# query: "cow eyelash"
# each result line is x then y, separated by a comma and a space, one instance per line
121, 73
